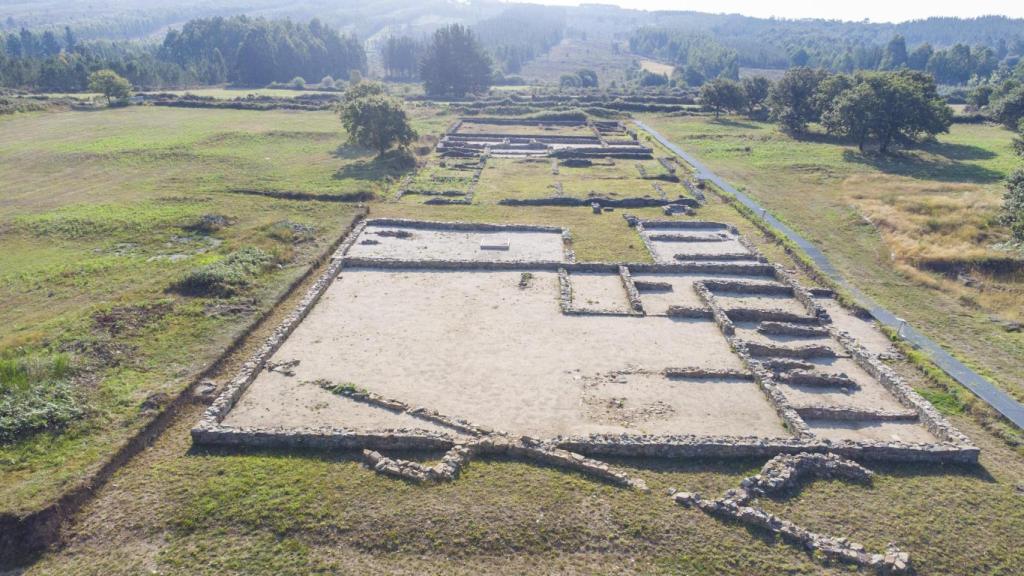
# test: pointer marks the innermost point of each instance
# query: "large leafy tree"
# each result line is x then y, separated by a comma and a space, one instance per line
792, 99
108, 83
1013, 204
891, 107
455, 64
756, 90
723, 94
1013, 199
375, 120
1008, 108
257, 57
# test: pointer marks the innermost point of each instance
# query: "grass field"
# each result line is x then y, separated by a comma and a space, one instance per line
102, 213
128, 182
918, 232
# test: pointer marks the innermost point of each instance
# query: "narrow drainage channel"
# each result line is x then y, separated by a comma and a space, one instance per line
982, 388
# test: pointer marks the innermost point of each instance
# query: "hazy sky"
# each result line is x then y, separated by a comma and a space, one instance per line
874, 10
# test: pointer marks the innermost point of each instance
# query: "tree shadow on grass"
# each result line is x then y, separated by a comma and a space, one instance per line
392, 164
923, 169
959, 152
731, 123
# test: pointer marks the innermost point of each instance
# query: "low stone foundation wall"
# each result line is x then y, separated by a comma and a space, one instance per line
817, 380
632, 294
784, 473
717, 257
676, 311
791, 329
644, 286
743, 287
461, 226
769, 315
759, 350
706, 374
604, 201
847, 414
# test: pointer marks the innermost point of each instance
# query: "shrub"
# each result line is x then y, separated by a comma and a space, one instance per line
225, 277
35, 394
298, 83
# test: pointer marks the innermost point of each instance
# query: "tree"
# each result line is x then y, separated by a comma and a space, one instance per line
70, 40
583, 78
455, 64
375, 120
108, 83
399, 55
1013, 204
829, 90
257, 60
901, 107
1018, 142
1008, 109
723, 94
756, 91
895, 56
918, 59
588, 78
792, 99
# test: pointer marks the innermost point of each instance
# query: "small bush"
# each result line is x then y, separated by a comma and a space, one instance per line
291, 232
208, 224
227, 276
35, 394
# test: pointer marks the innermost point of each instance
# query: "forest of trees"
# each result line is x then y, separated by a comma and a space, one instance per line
697, 56
256, 52
400, 56
520, 34
700, 57
242, 50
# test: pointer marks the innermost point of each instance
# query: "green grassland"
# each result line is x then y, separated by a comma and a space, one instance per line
917, 231
116, 218
102, 213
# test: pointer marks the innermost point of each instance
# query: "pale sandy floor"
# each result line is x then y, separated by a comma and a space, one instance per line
457, 245
289, 401
871, 431
476, 346
682, 293
599, 292
653, 404
864, 331
729, 300
664, 252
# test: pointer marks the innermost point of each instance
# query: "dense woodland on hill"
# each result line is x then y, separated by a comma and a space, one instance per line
54, 46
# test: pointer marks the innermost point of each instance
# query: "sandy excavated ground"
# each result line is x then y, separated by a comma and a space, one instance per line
864, 331
789, 304
457, 245
599, 292
481, 346
652, 404
871, 431
477, 346
664, 251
